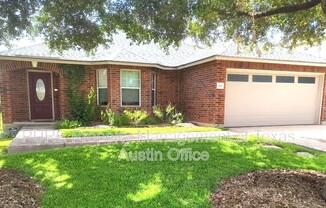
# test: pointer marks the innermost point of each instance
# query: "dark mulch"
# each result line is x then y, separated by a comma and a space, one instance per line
18, 190
273, 188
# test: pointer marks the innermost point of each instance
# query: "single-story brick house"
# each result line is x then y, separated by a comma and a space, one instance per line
217, 85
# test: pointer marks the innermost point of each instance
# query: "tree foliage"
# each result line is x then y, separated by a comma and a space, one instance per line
86, 24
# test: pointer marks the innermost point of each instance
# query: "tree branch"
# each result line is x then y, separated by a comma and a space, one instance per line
282, 10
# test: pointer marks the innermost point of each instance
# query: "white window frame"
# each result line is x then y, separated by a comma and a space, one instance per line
137, 88
97, 87
154, 86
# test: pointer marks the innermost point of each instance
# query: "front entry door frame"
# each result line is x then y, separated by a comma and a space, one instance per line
28, 92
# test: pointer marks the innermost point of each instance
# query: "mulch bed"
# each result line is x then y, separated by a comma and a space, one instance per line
18, 190
273, 188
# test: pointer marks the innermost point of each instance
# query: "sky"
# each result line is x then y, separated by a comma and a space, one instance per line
316, 51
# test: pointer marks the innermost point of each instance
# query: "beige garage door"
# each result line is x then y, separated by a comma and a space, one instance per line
260, 98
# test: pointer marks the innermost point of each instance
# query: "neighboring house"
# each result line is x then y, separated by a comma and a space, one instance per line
217, 85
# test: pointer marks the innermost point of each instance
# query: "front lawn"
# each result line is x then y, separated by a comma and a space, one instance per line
92, 176
83, 132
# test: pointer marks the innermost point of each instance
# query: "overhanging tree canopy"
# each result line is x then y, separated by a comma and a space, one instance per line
87, 24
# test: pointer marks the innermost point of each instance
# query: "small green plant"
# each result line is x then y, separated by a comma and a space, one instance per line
121, 120
136, 116
113, 119
158, 112
68, 124
177, 118
149, 121
108, 116
168, 114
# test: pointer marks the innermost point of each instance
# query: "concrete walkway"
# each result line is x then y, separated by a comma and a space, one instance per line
32, 138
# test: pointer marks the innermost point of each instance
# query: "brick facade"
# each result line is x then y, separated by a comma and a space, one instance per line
192, 89
200, 100
14, 95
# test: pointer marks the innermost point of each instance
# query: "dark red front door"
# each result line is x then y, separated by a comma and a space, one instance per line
40, 95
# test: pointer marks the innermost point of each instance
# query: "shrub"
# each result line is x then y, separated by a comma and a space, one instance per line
168, 114
158, 112
112, 119
136, 116
107, 116
149, 121
121, 120
177, 118
82, 110
68, 124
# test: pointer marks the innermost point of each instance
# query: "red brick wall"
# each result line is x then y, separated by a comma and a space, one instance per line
168, 87
5, 95
199, 98
19, 95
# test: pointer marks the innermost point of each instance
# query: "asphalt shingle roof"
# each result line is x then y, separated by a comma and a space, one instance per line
122, 50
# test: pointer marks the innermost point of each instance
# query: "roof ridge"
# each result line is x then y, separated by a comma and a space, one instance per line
311, 55
23, 47
140, 56
112, 56
223, 52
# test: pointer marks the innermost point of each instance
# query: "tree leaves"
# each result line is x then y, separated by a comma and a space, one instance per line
87, 24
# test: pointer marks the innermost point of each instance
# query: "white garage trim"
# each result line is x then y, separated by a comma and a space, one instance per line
280, 100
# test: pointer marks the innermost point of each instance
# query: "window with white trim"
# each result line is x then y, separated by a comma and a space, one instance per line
130, 87
154, 88
102, 87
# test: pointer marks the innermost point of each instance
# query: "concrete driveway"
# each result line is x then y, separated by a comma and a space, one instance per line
311, 136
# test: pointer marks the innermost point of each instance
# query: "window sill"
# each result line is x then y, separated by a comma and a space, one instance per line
130, 106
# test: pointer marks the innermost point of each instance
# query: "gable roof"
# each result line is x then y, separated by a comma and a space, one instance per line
123, 51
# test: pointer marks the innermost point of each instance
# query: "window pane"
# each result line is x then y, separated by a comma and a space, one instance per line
284, 79
102, 78
130, 78
153, 97
103, 96
262, 78
40, 89
307, 80
153, 101
238, 77
153, 80
130, 97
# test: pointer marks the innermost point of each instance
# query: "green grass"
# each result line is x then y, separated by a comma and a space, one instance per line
82, 132
92, 176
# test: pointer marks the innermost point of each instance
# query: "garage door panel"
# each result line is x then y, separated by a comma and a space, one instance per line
268, 120
271, 103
